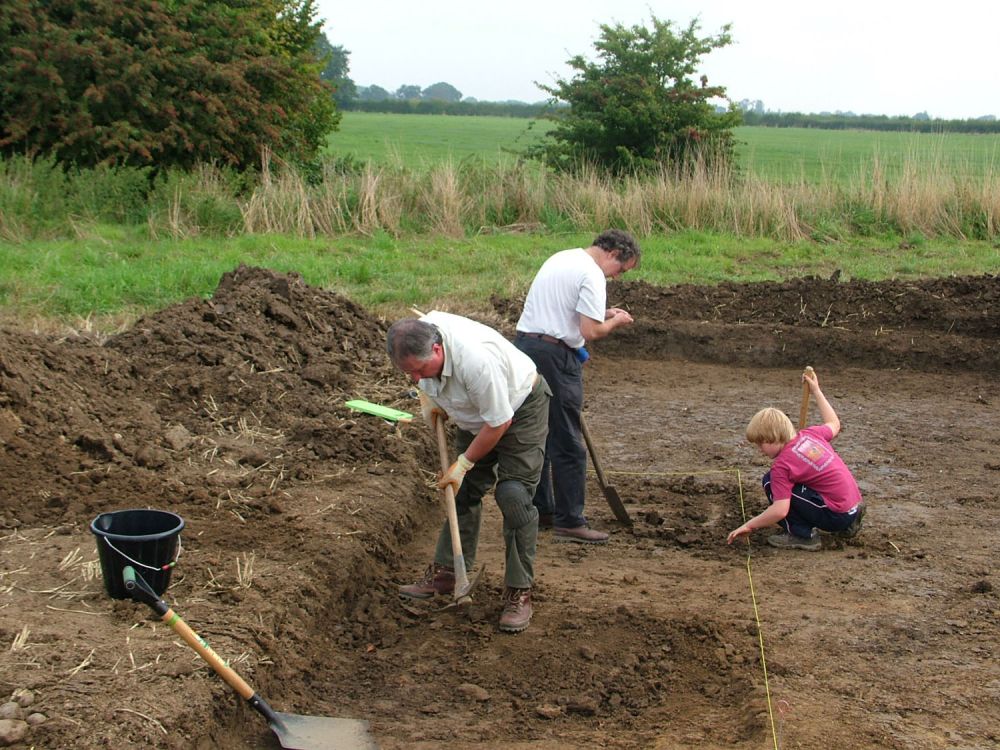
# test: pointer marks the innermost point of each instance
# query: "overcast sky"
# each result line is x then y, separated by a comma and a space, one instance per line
892, 57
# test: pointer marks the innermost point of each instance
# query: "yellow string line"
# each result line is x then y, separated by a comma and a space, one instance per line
756, 616
753, 593
668, 473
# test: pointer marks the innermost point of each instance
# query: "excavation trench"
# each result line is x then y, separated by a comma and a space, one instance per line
302, 517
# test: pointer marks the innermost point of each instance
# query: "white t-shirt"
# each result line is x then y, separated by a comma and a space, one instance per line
569, 284
485, 377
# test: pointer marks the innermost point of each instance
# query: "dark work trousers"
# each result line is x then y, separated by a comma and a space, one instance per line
808, 511
516, 459
562, 488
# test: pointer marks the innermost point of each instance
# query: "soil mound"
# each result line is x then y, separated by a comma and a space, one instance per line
254, 377
230, 412
936, 324
933, 324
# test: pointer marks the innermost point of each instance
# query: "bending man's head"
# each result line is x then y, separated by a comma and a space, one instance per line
621, 244
416, 348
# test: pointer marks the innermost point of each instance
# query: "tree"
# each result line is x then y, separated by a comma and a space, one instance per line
335, 69
637, 107
151, 83
443, 91
373, 93
408, 91
750, 105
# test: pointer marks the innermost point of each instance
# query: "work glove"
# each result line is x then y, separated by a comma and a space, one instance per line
430, 410
455, 473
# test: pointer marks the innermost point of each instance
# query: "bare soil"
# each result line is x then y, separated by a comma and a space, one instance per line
302, 517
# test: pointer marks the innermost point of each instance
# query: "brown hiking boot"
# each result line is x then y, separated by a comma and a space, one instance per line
516, 610
581, 534
437, 579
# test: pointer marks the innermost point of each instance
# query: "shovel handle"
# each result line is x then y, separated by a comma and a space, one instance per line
593, 453
207, 653
804, 410
141, 591
461, 576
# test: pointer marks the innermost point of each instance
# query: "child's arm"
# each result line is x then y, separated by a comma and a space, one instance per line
774, 513
830, 418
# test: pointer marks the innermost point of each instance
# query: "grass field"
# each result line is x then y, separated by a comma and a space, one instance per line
420, 140
838, 155
784, 154
427, 232
108, 279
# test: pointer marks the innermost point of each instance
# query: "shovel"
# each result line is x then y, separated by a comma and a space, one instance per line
293, 731
610, 493
804, 409
462, 583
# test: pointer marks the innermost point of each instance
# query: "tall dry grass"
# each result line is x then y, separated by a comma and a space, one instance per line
924, 197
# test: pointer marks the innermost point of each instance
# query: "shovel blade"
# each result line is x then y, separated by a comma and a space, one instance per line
616, 504
463, 595
296, 732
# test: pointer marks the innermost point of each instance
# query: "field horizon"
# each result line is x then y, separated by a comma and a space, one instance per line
771, 153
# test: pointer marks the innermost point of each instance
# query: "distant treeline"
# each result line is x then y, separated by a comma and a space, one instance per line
441, 107
869, 122
765, 120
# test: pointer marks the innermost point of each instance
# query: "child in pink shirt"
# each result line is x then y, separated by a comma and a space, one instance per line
808, 486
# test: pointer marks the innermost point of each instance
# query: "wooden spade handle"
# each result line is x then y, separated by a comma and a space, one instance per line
206, 652
593, 454
804, 411
461, 577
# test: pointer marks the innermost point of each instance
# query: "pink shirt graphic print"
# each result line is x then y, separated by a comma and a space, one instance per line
814, 453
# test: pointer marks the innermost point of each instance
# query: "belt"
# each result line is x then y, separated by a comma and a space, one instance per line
546, 338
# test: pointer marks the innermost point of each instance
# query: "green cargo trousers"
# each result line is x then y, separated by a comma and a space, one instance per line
514, 467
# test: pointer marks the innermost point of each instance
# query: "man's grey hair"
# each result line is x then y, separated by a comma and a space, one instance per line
618, 240
411, 337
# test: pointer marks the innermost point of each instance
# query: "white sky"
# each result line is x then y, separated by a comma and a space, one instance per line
892, 57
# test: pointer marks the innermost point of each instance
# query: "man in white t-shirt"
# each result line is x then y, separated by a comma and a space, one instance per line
565, 308
474, 377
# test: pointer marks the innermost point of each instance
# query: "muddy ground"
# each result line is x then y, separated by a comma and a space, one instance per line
302, 517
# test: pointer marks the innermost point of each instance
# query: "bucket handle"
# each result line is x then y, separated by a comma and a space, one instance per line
168, 566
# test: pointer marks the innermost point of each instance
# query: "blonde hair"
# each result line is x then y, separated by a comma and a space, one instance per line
770, 425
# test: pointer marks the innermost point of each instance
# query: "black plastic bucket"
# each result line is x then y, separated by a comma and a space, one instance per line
147, 540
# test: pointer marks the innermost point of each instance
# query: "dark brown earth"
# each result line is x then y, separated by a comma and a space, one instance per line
302, 517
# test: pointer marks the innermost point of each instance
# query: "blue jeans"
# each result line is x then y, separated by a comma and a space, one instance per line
808, 511
562, 489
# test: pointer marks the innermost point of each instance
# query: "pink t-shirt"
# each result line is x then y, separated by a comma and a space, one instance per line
809, 459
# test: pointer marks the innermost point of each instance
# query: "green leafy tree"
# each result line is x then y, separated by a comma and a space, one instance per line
638, 106
408, 91
373, 93
441, 91
335, 69
161, 83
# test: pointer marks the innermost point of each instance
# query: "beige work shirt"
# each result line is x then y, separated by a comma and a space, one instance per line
485, 378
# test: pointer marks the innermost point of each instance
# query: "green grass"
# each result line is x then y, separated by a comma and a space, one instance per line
124, 275
812, 155
785, 154
419, 140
